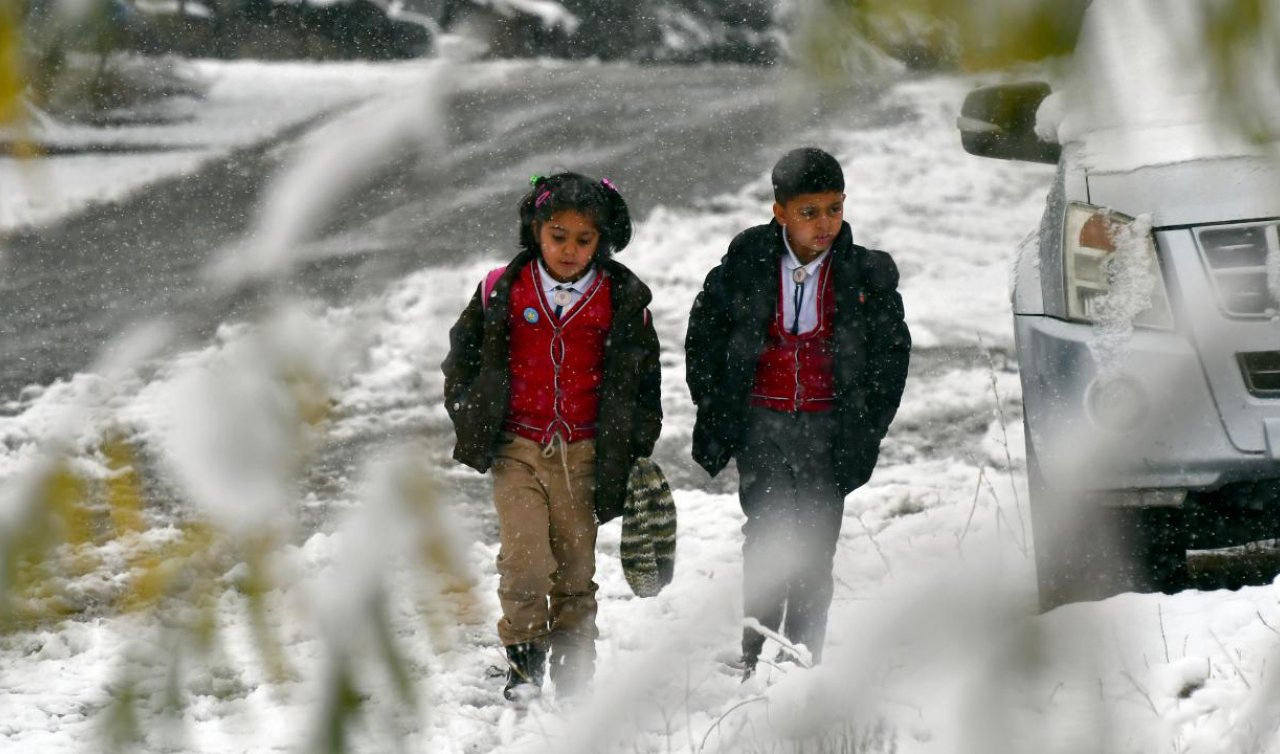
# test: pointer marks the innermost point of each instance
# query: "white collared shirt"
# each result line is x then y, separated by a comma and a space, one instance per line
809, 297
577, 289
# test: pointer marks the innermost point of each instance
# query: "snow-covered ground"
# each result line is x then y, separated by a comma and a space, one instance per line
933, 644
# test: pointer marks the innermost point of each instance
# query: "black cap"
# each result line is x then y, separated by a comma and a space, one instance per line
807, 170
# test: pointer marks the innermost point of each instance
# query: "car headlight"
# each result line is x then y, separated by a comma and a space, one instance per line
1112, 271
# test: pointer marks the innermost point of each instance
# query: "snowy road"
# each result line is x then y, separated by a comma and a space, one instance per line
932, 646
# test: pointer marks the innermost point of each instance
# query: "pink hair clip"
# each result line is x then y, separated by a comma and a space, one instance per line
609, 185
542, 199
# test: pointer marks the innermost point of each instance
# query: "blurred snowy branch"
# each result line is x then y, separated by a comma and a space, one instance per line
222, 469
333, 165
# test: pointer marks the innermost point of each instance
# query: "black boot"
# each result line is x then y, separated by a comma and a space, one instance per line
527, 664
752, 645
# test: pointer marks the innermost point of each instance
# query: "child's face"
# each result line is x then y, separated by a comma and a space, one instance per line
812, 222
568, 240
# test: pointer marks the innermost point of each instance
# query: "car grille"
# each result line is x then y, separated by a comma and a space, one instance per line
1237, 260
1261, 373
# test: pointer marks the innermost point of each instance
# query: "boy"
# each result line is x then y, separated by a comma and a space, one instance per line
796, 357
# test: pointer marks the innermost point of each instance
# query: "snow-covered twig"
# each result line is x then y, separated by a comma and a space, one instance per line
1141, 691
1232, 662
801, 653
972, 509
1022, 543
1004, 434
716, 725
1164, 639
887, 567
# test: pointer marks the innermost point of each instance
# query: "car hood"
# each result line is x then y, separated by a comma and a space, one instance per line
1196, 192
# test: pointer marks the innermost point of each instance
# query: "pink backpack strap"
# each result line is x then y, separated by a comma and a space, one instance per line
490, 281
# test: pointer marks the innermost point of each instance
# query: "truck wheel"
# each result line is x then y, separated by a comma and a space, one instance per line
1088, 551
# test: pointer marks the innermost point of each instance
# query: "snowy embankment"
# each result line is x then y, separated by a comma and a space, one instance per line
932, 645
241, 104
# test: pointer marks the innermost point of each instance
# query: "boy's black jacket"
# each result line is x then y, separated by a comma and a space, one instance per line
477, 381
727, 330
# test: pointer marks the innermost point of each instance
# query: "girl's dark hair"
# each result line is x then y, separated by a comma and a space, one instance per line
597, 200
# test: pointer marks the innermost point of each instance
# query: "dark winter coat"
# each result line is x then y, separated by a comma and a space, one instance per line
477, 382
727, 332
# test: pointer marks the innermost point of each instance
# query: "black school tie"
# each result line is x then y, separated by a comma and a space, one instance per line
795, 323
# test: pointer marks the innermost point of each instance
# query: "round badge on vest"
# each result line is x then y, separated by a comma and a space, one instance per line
531, 315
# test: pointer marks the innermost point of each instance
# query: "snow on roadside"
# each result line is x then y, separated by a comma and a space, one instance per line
950, 219
40, 192
245, 103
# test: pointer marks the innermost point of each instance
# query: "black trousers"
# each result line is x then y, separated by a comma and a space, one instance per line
794, 509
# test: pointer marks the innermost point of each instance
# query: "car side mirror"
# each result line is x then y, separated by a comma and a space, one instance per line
1000, 121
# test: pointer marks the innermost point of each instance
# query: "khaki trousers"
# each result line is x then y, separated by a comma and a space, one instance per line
546, 521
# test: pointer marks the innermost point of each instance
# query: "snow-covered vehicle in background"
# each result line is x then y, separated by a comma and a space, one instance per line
1147, 304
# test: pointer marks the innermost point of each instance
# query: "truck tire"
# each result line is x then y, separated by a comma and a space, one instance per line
1085, 550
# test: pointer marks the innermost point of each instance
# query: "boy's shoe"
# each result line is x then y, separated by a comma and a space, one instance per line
526, 666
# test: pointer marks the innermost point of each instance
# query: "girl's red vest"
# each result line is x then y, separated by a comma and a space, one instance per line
556, 365
797, 372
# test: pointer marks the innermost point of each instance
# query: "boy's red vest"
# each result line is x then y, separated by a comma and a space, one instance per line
556, 366
797, 372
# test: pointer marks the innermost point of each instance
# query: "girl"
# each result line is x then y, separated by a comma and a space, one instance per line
552, 381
